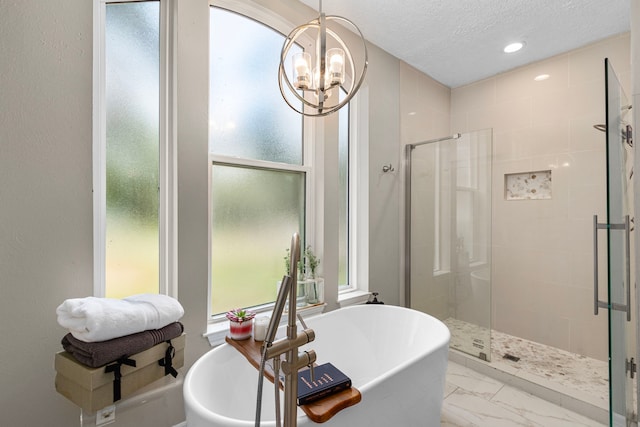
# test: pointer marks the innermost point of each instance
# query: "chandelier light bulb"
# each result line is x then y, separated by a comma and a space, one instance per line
301, 70
335, 72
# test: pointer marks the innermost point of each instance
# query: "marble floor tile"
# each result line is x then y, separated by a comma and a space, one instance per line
473, 400
539, 411
471, 381
465, 409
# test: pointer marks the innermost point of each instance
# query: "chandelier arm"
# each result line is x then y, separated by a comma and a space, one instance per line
322, 52
282, 72
348, 56
288, 102
295, 93
362, 39
365, 65
296, 109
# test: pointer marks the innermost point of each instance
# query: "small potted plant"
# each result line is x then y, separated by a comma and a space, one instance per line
240, 323
287, 263
314, 292
300, 292
313, 261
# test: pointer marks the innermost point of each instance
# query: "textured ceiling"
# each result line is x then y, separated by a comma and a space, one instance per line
458, 42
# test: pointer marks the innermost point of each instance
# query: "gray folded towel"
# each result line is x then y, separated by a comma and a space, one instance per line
95, 354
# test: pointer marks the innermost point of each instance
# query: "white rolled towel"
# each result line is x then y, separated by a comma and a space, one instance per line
93, 319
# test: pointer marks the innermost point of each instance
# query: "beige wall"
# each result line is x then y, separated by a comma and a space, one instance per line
46, 243
542, 249
45, 196
46, 180
424, 114
46, 216
424, 107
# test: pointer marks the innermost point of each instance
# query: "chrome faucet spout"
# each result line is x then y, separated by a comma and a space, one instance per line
281, 300
291, 359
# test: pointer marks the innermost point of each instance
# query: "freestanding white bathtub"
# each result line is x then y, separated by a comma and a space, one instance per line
395, 356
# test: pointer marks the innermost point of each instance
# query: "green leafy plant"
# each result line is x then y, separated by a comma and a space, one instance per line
312, 259
287, 263
240, 315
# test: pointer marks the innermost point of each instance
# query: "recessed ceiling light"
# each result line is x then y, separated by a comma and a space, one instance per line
541, 77
513, 47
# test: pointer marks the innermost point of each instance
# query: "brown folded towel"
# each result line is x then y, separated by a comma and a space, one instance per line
95, 354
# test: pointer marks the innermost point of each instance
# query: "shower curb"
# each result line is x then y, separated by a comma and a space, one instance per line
559, 397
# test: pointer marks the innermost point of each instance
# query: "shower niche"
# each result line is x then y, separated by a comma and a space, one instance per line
528, 185
448, 236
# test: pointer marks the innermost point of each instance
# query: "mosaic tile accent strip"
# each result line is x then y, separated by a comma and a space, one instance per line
528, 185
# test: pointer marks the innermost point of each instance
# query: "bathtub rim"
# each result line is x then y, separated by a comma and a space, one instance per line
442, 344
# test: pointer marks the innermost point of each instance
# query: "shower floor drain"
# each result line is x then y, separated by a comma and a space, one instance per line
511, 357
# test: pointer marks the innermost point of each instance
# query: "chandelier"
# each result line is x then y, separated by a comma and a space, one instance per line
308, 89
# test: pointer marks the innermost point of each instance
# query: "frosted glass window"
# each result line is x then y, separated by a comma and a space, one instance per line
254, 213
343, 205
132, 44
247, 116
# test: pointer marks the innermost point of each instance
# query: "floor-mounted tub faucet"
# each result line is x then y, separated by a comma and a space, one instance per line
288, 346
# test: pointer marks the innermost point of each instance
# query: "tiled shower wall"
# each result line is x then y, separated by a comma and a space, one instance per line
542, 284
424, 115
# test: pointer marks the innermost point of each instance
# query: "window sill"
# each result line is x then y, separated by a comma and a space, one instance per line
216, 332
353, 297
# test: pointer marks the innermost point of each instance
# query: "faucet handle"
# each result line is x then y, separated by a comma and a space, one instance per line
311, 355
304, 325
312, 373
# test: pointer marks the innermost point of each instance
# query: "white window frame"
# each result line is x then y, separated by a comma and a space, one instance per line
276, 23
357, 289
307, 170
167, 213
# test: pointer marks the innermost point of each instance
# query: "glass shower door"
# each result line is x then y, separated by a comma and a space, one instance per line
619, 257
448, 236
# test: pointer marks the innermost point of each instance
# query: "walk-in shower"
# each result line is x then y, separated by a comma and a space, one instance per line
502, 245
459, 211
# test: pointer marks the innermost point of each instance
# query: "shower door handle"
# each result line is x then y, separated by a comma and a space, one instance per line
603, 304
596, 302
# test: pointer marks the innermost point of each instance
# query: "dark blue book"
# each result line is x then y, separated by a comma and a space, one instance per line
327, 380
